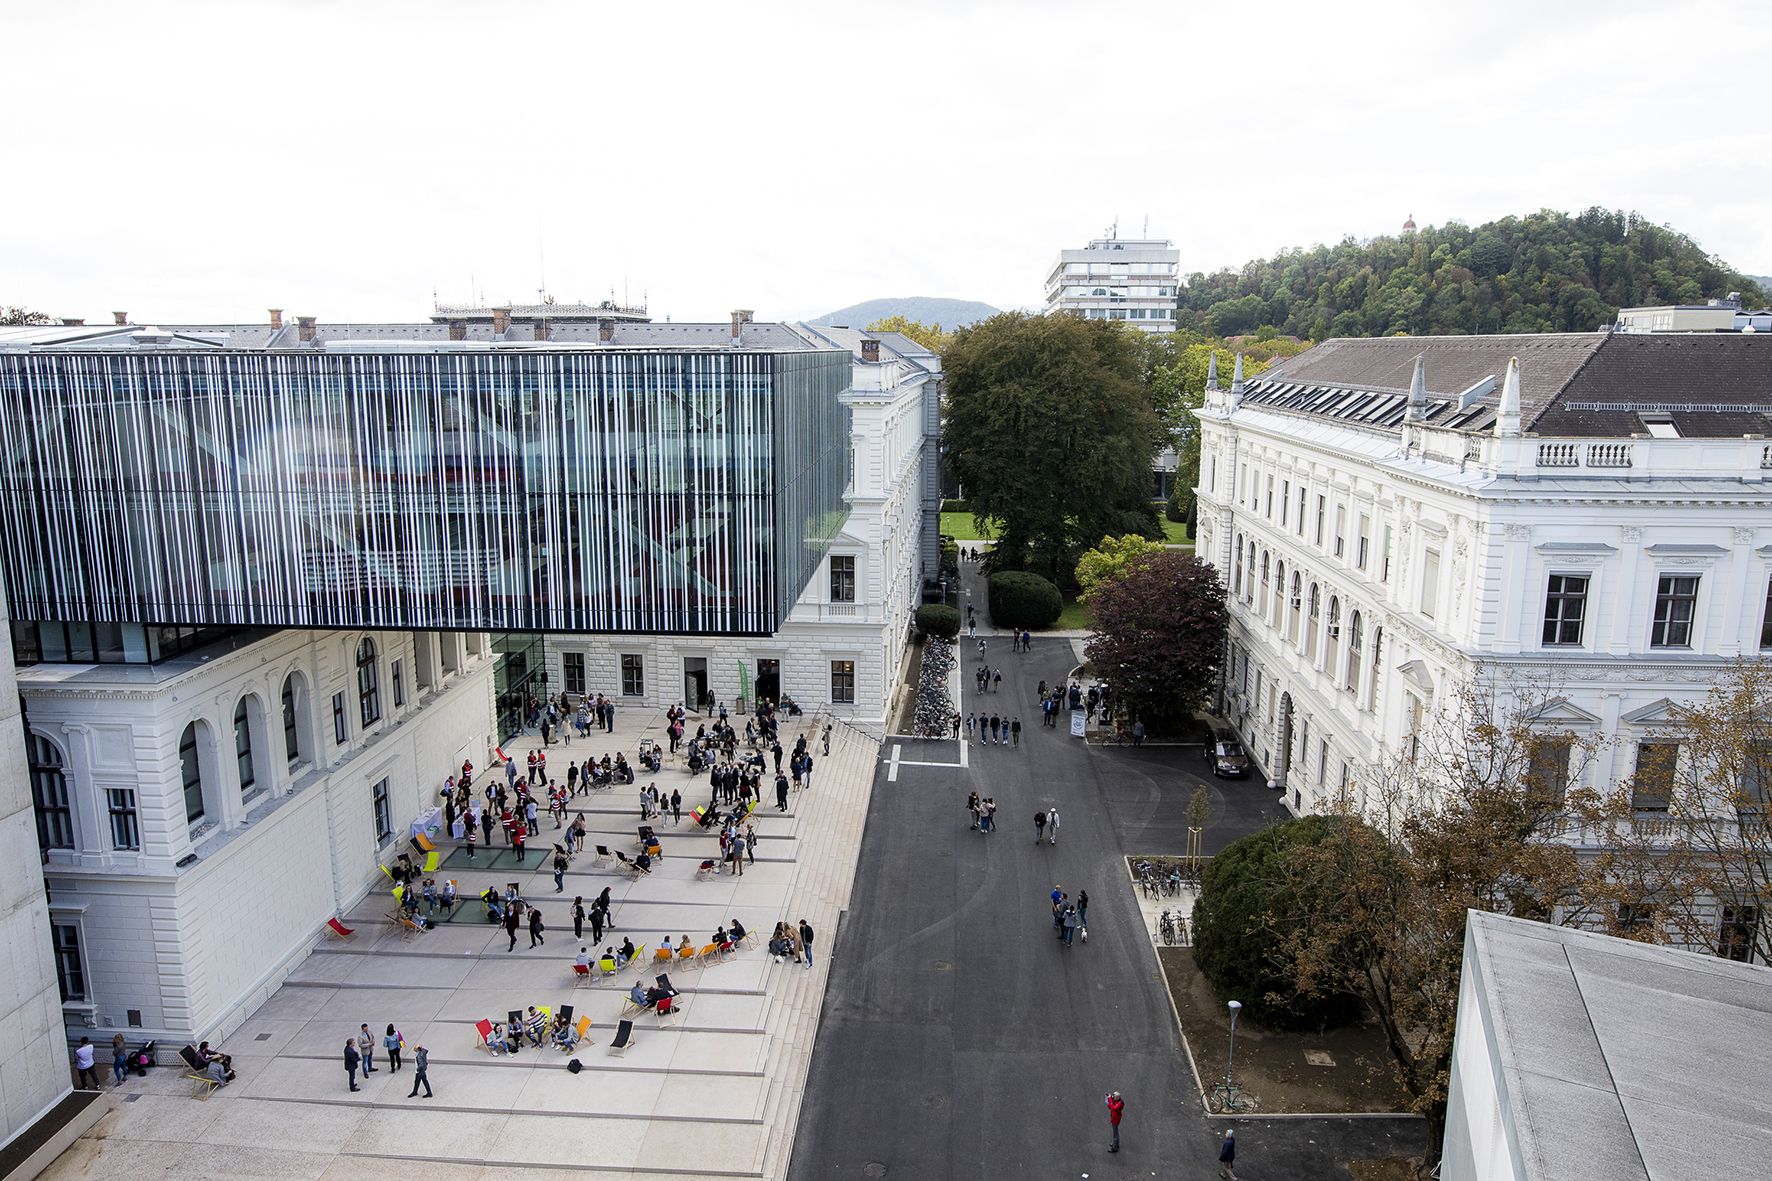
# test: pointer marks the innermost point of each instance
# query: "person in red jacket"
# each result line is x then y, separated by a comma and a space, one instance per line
1115, 1106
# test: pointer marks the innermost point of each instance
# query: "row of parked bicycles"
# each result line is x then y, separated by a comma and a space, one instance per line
1167, 881
935, 711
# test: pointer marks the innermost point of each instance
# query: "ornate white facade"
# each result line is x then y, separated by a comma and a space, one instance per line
222, 805
1596, 517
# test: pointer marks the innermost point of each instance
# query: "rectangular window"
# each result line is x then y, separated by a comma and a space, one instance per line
1304, 749
340, 731
633, 675
1285, 501
572, 668
1652, 787
384, 814
1268, 510
1735, 938
126, 833
1301, 499
1340, 528
1365, 541
1322, 760
1212, 487
49, 793
1755, 802
68, 972
1322, 512
1766, 620
291, 744
1547, 772
1430, 583
1384, 558
191, 775
1243, 485
399, 685
1565, 605
843, 681
1676, 598
842, 578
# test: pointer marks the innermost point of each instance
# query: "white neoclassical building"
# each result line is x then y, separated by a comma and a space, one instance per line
1593, 509
200, 818
843, 646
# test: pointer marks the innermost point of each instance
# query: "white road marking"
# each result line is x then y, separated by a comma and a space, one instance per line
892, 774
964, 760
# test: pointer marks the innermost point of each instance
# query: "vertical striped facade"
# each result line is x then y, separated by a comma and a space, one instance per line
688, 491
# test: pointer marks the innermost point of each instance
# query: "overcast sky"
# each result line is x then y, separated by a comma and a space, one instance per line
203, 162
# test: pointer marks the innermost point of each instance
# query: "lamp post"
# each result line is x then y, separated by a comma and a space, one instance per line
1231, 1066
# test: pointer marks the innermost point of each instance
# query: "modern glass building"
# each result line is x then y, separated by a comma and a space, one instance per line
168, 487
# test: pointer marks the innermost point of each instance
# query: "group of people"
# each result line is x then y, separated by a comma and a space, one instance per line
558, 716
652, 803
994, 729
1070, 917
988, 679
983, 812
360, 1054
789, 940
597, 915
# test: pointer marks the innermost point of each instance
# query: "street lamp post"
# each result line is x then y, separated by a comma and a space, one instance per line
1231, 1065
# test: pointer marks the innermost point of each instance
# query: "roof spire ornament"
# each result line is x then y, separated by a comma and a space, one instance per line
1212, 370
1417, 391
1507, 421
1237, 382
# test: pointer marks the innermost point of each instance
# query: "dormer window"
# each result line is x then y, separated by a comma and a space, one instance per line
1659, 426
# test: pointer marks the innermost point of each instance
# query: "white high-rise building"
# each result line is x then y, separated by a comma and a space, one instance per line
1117, 279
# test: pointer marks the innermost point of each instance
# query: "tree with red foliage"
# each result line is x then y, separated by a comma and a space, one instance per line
1159, 634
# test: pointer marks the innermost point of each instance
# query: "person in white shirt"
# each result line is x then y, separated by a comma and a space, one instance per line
83, 1060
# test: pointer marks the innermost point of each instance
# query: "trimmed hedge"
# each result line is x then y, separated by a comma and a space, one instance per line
1020, 599
1242, 911
936, 620
956, 506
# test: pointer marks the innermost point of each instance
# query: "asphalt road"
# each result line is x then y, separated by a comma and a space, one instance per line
960, 1039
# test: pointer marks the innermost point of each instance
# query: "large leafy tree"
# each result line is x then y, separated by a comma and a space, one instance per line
1049, 428
1159, 633
1110, 558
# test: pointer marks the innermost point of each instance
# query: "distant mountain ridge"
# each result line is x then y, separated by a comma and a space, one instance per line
925, 309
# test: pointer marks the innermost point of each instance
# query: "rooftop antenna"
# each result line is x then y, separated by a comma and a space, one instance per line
1114, 230
542, 254
1147, 226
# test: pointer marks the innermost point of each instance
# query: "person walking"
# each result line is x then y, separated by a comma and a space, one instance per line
996, 679
806, 941
996, 729
559, 873
781, 791
596, 923
535, 928
390, 1042
806, 770
1015, 730
513, 920
1039, 825
83, 1061
578, 918
827, 740
1227, 1155
1052, 826
421, 1064
676, 806
366, 1047
119, 1057
1116, 1107
1083, 912
351, 1060
971, 727
1137, 734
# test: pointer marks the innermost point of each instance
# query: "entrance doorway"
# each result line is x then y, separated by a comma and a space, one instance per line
769, 680
695, 682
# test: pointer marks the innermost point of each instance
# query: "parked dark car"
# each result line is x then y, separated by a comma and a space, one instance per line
1225, 754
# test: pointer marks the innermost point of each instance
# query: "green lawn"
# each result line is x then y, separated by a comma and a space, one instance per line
964, 527
1175, 533
1074, 617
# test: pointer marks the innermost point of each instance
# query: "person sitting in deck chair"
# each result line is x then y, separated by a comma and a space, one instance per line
627, 950
640, 995
565, 1034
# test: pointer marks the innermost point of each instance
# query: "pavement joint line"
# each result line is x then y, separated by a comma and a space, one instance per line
488, 1163
383, 1105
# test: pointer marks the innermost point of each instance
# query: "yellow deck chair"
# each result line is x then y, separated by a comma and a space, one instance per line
399, 893
606, 965
710, 954
686, 952
584, 1027
388, 871
663, 955
431, 860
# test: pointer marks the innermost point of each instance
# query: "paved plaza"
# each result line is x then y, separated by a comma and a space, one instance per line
715, 1093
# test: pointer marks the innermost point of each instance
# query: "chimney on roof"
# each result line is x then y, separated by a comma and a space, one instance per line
67, 323
501, 320
458, 330
605, 331
276, 317
1507, 422
740, 317
870, 350
304, 329
1417, 392
120, 318
541, 330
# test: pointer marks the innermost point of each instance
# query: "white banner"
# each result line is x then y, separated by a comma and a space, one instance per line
1078, 721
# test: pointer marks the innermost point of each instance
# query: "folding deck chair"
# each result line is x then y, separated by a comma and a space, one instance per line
624, 1038
337, 930
484, 1028
202, 1082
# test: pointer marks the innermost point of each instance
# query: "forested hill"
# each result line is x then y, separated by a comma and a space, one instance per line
1547, 272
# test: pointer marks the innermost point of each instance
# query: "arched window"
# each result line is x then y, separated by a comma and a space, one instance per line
1353, 653
49, 795
243, 751
1237, 573
191, 774
1332, 642
1310, 628
1265, 557
1279, 618
1297, 605
291, 733
368, 683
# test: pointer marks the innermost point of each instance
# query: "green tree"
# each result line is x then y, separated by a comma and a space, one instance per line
1159, 634
17, 317
1049, 429
1110, 558
929, 336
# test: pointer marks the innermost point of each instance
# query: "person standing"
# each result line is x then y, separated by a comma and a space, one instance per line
596, 923
1039, 825
119, 1057
781, 791
578, 917
972, 807
83, 1061
676, 806
1227, 1155
737, 847
1137, 734
366, 1048
391, 1043
806, 941
806, 769
535, 928
1052, 826
351, 1060
1116, 1106
421, 1064
827, 739
1083, 911
1070, 925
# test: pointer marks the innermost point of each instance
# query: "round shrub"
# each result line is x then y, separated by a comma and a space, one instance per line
1020, 599
1243, 912
936, 620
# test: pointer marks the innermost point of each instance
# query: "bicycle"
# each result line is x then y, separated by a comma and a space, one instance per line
1167, 927
1175, 882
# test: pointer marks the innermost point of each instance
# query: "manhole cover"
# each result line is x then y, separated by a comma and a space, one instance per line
940, 965
1318, 1058
935, 1101
130, 1098
263, 1037
873, 1169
